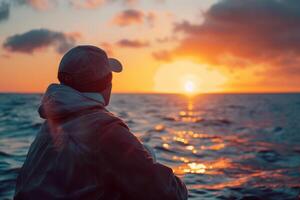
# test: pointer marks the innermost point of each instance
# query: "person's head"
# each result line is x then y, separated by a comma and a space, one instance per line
88, 69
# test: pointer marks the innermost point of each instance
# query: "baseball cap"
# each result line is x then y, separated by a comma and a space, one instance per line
87, 68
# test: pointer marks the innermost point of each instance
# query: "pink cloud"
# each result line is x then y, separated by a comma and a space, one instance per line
134, 17
41, 5
239, 34
128, 17
86, 4
132, 43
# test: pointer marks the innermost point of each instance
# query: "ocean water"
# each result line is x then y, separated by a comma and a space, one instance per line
241, 147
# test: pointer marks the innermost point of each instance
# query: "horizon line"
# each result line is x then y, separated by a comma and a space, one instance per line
173, 93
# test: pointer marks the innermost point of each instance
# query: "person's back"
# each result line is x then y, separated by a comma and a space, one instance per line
82, 151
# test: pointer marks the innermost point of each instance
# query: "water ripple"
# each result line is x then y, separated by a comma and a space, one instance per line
240, 147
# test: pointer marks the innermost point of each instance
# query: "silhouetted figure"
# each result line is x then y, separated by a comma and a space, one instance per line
82, 151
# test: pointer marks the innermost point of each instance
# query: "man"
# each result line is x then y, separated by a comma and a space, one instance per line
84, 152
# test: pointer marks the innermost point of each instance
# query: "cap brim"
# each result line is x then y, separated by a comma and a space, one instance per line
115, 65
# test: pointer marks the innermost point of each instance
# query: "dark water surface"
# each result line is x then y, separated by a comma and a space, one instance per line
241, 147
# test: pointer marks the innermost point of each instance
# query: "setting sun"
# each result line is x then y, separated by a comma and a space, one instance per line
187, 77
189, 86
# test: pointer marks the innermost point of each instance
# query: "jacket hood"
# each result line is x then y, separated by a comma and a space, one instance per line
60, 101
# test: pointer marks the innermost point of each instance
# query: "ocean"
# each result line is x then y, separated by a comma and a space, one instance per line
224, 146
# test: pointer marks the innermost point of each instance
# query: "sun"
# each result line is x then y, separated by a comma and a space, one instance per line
189, 86
187, 77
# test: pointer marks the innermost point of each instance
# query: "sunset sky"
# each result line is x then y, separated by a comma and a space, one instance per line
164, 45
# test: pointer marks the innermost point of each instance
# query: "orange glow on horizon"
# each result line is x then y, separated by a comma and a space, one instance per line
187, 77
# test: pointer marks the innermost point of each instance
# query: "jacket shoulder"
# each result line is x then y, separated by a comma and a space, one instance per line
106, 118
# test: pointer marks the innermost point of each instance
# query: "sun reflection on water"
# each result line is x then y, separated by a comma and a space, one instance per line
191, 144
198, 167
180, 139
193, 150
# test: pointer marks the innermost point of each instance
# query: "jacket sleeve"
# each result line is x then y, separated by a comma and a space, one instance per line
134, 169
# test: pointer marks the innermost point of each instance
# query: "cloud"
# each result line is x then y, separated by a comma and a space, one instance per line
92, 4
162, 55
36, 39
86, 4
133, 16
43, 5
244, 33
40, 5
4, 11
132, 43
166, 39
150, 18
128, 17
130, 2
